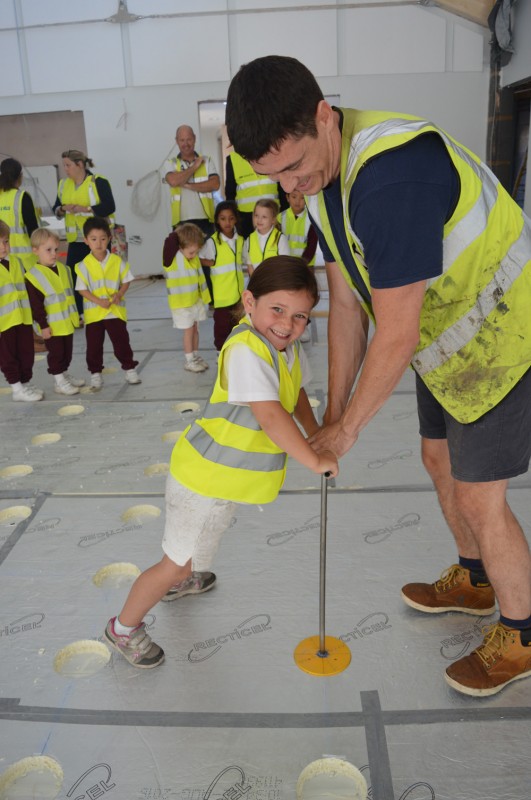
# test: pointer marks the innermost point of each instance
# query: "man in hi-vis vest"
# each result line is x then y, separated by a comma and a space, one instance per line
419, 236
192, 179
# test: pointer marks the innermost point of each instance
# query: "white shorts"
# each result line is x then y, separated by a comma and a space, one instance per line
194, 525
185, 317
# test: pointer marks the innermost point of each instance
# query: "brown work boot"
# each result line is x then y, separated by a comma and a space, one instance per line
500, 660
454, 591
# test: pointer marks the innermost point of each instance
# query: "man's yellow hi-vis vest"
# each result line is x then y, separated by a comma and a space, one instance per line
475, 322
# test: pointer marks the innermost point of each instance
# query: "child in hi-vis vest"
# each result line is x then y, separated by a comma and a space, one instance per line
102, 280
237, 452
51, 296
188, 295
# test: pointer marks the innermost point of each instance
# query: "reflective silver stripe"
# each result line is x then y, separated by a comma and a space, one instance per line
241, 415
69, 292
7, 289
293, 238
464, 330
9, 307
241, 201
250, 184
176, 198
89, 304
18, 227
367, 136
24, 302
57, 316
223, 268
207, 447
21, 249
182, 289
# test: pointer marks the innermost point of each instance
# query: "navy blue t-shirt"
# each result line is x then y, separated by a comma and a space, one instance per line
398, 206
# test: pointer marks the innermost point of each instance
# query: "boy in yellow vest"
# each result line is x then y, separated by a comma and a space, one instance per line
102, 280
51, 297
16, 332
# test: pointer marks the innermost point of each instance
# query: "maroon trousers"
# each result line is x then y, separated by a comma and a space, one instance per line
17, 353
224, 321
117, 330
59, 353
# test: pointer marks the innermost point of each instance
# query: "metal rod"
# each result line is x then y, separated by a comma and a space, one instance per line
322, 566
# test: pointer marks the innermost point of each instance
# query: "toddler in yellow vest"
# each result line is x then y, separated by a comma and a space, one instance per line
188, 294
51, 296
102, 280
237, 452
16, 331
266, 240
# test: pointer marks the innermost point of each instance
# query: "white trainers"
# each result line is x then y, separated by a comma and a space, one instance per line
132, 376
62, 386
74, 381
25, 394
96, 381
193, 366
33, 388
201, 361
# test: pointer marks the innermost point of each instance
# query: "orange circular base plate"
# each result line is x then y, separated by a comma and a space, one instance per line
336, 660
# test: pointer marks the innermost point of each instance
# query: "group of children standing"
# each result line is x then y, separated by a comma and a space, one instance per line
43, 296
224, 256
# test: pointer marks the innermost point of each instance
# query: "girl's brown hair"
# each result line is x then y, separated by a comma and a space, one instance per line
288, 273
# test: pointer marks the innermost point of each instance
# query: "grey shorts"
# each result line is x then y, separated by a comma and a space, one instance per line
495, 447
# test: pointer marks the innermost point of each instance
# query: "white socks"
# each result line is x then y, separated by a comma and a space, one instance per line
122, 630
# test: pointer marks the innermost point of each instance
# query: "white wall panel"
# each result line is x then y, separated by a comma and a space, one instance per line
143, 7
519, 67
10, 69
190, 50
391, 41
9, 19
468, 50
75, 58
310, 37
37, 12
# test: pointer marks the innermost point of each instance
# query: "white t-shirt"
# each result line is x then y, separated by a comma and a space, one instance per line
283, 245
191, 207
208, 251
81, 286
251, 379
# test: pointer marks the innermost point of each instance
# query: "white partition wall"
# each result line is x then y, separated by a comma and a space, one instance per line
136, 81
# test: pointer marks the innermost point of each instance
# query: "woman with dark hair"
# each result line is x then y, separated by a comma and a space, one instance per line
17, 211
81, 195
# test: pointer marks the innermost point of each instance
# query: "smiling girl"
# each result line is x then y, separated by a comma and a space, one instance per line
237, 452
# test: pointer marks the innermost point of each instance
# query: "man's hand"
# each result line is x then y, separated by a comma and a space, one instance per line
332, 438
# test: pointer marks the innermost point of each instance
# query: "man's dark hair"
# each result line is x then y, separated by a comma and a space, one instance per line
268, 100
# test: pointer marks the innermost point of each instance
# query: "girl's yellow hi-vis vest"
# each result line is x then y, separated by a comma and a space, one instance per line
250, 187
86, 194
226, 454
58, 292
226, 274
256, 254
11, 214
14, 302
103, 281
185, 282
207, 200
296, 230
475, 322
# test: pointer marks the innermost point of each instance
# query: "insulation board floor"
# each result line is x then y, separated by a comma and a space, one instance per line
229, 714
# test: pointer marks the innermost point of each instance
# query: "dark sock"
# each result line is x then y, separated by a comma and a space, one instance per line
523, 625
476, 569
